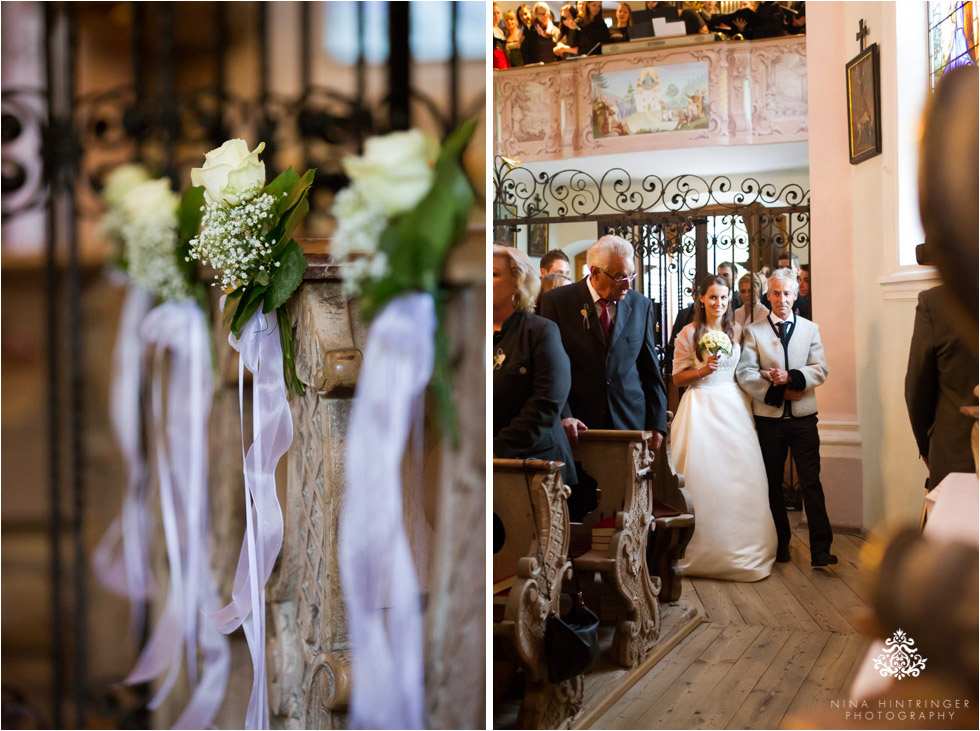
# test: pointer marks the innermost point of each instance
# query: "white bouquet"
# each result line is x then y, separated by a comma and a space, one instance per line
149, 234
715, 341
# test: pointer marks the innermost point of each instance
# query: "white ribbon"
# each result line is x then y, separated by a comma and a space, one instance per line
381, 591
181, 329
260, 351
121, 559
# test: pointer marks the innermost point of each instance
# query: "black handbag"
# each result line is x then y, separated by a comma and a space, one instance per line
571, 643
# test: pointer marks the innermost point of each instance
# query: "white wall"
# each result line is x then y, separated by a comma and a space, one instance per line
855, 225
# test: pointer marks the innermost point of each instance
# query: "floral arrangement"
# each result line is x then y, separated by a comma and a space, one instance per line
247, 236
151, 227
715, 341
406, 206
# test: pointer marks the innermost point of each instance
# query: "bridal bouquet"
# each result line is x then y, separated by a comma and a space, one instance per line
715, 341
247, 236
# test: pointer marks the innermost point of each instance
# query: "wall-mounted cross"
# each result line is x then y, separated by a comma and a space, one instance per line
862, 33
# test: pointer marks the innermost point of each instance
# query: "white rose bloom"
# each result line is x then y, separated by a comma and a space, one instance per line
395, 171
151, 199
231, 174
121, 180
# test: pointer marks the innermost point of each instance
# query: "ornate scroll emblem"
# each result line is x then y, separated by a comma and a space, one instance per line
900, 658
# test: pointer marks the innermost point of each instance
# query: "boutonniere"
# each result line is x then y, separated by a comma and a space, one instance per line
585, 317
498, 359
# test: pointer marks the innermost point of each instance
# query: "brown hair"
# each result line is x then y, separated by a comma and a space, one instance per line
700, 321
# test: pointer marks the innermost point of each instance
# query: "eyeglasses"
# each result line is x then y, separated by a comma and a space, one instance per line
618, 280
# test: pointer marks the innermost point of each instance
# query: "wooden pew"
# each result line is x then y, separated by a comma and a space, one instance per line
673, 514
622, 464
528, 570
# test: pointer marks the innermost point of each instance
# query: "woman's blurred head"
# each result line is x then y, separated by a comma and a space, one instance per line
542, 14
515, 282
510, 21
624, 15
749, 288
553, 281
569, 11
524, 15
496, 14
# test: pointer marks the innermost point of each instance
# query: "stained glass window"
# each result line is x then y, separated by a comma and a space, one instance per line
952, 36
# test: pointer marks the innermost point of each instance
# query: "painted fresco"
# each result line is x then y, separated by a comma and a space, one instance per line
650, 100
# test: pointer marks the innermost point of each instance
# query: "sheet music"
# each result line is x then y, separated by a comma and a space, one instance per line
662, 27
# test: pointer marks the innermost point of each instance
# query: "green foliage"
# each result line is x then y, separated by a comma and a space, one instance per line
286, 277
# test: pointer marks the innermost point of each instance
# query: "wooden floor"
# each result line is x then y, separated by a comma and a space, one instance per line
780, 647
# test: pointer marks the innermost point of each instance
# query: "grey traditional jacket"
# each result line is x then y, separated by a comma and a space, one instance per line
762, 349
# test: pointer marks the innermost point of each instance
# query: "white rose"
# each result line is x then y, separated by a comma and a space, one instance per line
152, 199
121, 180
395, 171
230, 172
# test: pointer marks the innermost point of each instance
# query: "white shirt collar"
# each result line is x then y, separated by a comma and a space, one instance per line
595, 295
775, 319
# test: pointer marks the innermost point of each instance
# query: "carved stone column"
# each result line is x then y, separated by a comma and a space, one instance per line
308, 658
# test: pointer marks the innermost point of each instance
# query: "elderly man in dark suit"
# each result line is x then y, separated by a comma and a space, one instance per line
607, 330
941, 375
782, 364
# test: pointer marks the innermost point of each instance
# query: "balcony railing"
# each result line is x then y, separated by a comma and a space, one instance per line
698, 95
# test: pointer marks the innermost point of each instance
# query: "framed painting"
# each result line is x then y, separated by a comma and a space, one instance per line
537, 239
864, 105
505, 235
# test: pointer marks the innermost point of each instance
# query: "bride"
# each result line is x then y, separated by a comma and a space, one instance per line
715, 447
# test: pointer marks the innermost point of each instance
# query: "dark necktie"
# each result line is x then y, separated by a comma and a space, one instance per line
605, 319
784, 339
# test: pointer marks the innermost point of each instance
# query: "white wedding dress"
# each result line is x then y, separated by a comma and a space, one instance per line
715, 447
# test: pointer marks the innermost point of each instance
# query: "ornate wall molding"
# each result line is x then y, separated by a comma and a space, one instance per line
756, 93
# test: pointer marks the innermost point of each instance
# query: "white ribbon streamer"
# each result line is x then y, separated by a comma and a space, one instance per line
260, 351
181, 329
121, 558
381, 590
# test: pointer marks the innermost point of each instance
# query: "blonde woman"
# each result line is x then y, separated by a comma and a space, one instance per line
750, 289
531, 372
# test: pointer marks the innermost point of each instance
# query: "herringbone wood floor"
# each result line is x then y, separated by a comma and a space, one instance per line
781, 647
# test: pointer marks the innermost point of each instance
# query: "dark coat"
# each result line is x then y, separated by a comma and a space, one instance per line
940, 379
594, 33
618, 389
537, 48
529, 389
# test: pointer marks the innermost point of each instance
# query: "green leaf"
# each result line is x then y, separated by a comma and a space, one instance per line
287, 277
189, 216
189, 213
262, 278
283, 181
289, 226
295, 192
247, 306
228, 314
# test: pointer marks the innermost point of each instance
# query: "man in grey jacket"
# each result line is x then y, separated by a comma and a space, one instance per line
782, 363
